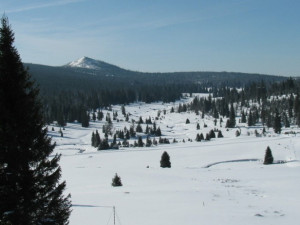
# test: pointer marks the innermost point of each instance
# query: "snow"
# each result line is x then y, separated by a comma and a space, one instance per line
85, 62
222, 181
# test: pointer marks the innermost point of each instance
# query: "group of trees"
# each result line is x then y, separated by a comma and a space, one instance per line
274, 105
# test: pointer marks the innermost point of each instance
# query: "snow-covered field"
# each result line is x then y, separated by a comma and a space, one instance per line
222, 181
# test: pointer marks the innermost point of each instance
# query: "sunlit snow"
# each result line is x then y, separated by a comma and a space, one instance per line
222, 181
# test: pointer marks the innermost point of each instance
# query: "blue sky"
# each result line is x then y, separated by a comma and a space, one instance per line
256, 36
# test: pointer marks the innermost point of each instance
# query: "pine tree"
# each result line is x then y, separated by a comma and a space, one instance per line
116, 181
268, 156
201, 137
147, 129
30, 188
93, 139
207, 137
158, 132
131, 131
94, 116
97, 139
139, 128
243, 119
123, 110
277, 123
140, 142
231, 121
220, 135
103, 144
165, 160
250, 119
100, 115
212, 134
85, 119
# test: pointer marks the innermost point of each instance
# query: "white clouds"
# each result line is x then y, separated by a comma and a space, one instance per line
42, 5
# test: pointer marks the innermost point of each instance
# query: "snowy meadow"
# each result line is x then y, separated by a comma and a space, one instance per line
221, 181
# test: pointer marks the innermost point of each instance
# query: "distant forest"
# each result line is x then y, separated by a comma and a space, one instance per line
68, 94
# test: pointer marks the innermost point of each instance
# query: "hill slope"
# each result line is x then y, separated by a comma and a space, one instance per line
95, 74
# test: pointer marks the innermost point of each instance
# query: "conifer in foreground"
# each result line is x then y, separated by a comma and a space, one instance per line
30, 189
268, 156
165, 160
116, 181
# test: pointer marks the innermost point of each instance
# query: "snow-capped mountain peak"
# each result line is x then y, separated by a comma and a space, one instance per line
85, 62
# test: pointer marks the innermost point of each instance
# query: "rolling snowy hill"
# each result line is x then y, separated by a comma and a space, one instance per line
222, 181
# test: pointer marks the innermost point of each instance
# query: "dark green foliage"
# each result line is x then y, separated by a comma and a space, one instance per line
131, 131
250, 119
148, 142
116, 181
103, 144
147, 129
243, 119
277, 123
268, 156
93, 139
163, 140
141, 120
94, 116
123, 110
158, 132
198, 139
140, 142
100, 115
198, 126
85, 119
154, 142
114, 140
127, 135
139, 128
212, 134
30, 189
187, 121
231, 121
220, 135
165, 160
286, 120
125, 143
97, 140
207, 137
201, 137
148, 121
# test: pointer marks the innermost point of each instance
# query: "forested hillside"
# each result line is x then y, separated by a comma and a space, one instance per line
69, 92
